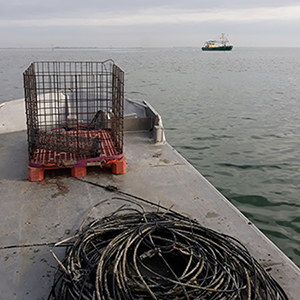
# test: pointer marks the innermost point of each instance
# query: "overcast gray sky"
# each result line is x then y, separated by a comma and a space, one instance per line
150, 23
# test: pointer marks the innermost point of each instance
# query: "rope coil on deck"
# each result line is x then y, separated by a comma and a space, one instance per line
134, 254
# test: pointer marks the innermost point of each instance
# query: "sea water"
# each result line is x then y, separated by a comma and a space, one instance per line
235, 116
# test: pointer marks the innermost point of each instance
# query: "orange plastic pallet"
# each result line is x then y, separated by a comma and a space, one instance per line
49, 160
37, 173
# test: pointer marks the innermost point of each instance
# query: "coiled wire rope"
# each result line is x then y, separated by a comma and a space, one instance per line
137, 254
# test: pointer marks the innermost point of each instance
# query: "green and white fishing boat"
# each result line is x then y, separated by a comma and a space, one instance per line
219, 44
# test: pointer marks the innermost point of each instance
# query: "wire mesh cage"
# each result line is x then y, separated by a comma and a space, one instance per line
74, 112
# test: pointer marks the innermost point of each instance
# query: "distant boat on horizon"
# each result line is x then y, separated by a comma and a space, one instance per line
221, 43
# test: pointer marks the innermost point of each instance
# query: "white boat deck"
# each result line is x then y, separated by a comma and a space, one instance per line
35, 213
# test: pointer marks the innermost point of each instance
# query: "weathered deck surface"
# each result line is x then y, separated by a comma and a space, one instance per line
33, 213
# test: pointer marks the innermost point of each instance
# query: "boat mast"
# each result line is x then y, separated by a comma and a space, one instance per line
223, 39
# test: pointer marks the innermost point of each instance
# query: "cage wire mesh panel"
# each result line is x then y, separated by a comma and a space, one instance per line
74, 112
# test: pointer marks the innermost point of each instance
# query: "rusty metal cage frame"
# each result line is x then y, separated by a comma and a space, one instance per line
74, 112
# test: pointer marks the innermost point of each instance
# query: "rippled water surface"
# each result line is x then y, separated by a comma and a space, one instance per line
234, 116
